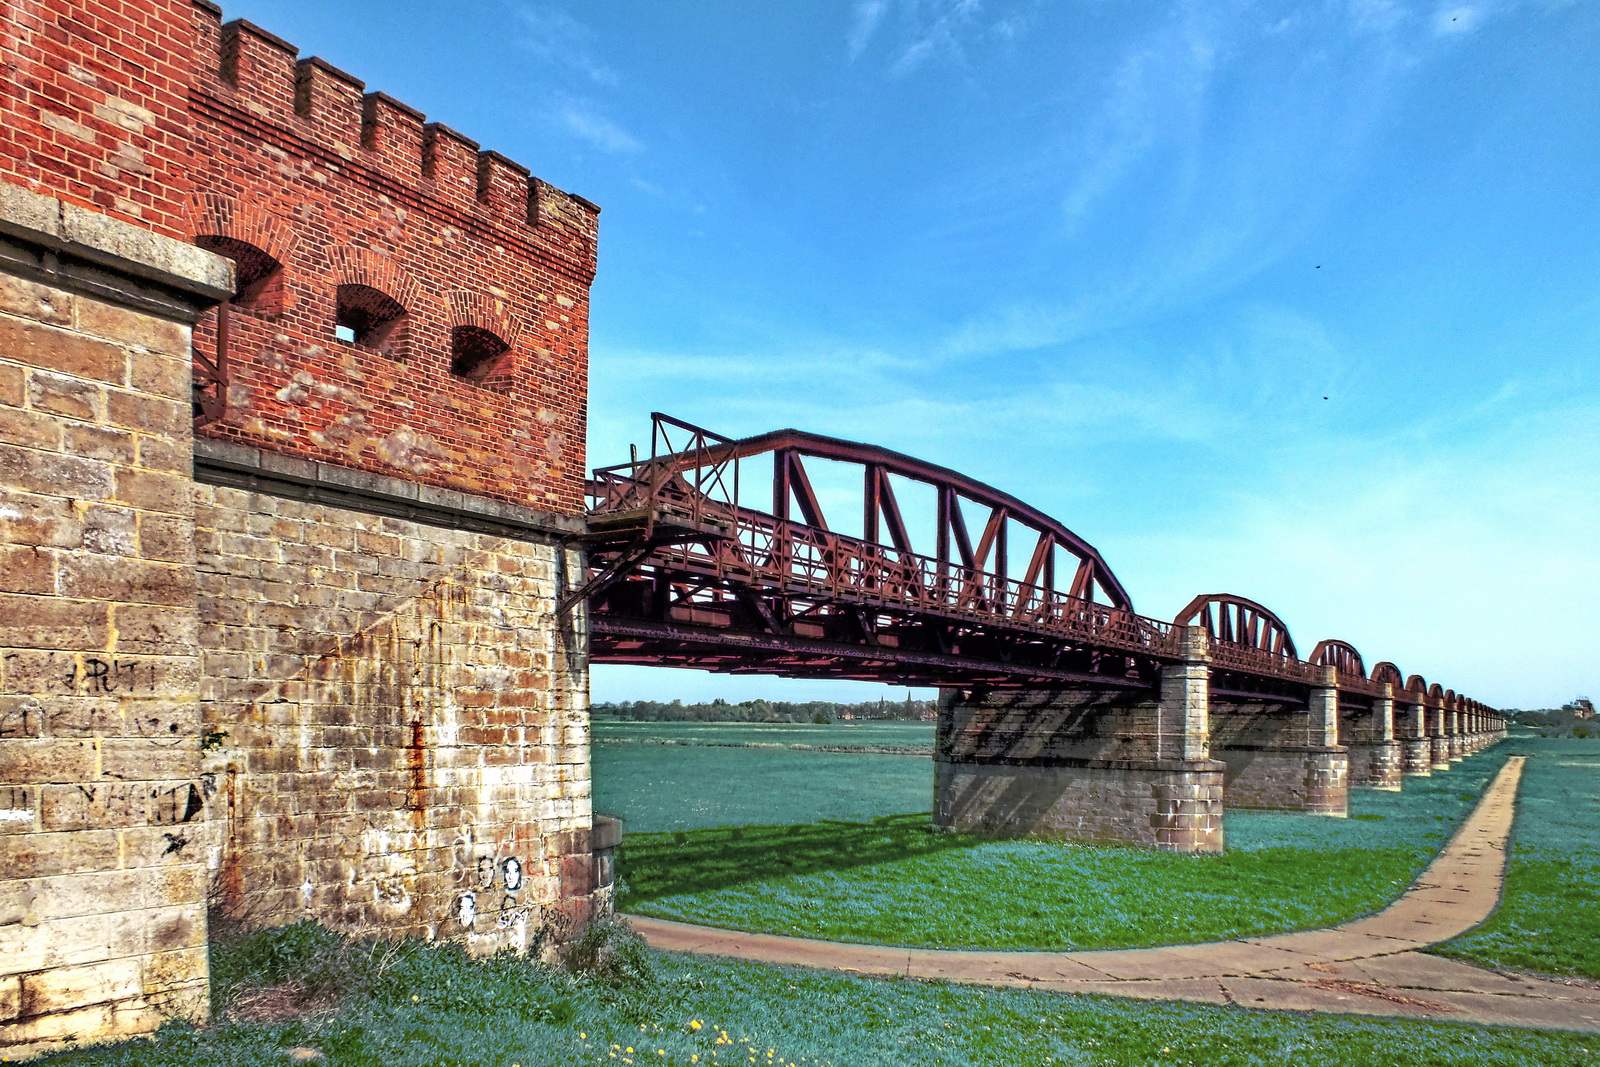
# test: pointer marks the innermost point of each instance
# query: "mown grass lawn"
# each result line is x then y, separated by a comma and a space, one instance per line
685, 786
910, 736
416, 1005
1548, 920
893, 880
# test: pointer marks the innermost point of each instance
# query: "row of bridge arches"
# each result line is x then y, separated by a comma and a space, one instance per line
1236, 622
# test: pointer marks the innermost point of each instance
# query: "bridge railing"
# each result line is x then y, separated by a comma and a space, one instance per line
1251, 660
762, 552
759, 551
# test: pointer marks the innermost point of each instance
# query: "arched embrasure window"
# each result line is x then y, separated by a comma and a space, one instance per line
369, 317
258, 277
474, 352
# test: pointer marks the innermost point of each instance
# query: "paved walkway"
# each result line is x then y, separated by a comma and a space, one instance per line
1366, 967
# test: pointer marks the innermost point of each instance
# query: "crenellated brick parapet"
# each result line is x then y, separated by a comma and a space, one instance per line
410, 305
319, 115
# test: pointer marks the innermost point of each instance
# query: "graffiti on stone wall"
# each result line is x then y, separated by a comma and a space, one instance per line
79, 674
69, 694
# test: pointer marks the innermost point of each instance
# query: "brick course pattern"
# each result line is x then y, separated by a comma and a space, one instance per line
343, 187
401, 726
102, 854
94, 108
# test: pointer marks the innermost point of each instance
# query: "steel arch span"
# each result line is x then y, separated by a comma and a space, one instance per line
723, 555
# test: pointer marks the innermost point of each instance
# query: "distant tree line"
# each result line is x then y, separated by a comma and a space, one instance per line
1574, 718
719, 710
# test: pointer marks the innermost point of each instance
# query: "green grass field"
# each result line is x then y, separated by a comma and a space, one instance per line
838, 846
892, 735
1549, 915
416, 1005
686, 786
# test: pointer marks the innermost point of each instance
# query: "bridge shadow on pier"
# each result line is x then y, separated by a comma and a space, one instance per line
695, 861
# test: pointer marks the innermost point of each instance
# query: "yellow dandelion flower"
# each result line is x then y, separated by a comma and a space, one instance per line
694, 1024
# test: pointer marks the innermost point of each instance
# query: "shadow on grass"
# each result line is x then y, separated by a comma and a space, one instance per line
695, 861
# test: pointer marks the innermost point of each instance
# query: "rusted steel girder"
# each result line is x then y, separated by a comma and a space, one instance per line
1246, 638
685, 573
672, 545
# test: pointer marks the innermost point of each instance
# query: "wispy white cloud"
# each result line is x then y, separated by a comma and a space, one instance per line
1378, 16
864, 23
1467, 561
937, 28
927, 31
584, 120
1157, 88
1232, 134
558, 39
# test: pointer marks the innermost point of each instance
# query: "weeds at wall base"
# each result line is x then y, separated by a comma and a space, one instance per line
430, 1005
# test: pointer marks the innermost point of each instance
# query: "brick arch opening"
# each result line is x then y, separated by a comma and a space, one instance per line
483, 339
369, 317
374, 300
475, 353
261, 243
257, 273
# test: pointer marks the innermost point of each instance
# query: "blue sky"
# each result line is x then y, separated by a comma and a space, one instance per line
1294, 300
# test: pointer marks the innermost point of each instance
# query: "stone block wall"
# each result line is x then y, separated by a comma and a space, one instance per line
1376, 764
394, 732
1367, 731
1172, 805
400, 724
102, 796
1087, 765
1275, 759
1042, 726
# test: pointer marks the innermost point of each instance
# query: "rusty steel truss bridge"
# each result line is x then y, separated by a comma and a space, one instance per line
687, 569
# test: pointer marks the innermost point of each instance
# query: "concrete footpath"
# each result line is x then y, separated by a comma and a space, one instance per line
1368, 967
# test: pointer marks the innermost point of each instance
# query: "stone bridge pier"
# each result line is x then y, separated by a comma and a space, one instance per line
1439, 734
1366, 728
1085, 764
1282, 756
1416, 744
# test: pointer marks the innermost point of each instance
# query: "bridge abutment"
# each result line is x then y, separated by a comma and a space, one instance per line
1084, 764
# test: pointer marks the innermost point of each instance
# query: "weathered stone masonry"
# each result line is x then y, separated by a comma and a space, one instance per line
1085, 765
102, 798
401, 725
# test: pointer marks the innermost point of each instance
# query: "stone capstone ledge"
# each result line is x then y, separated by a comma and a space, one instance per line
61, 244
1052, 762
237, 466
